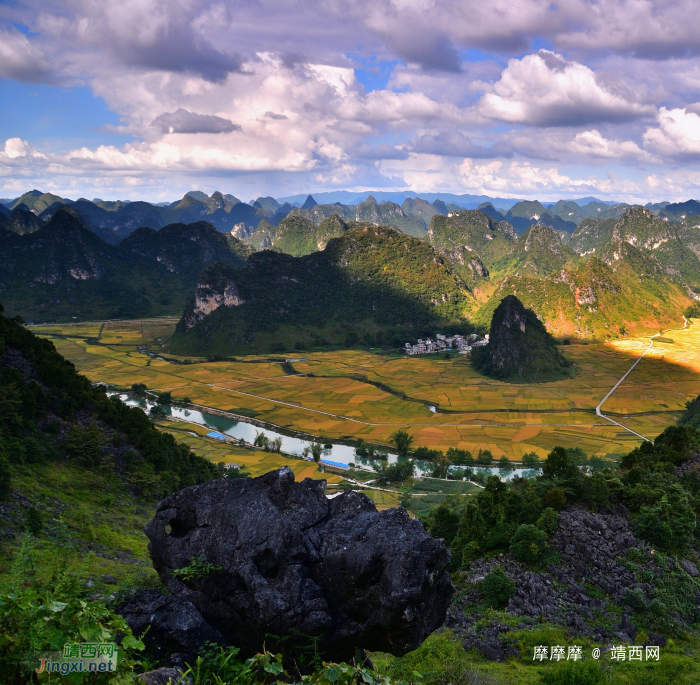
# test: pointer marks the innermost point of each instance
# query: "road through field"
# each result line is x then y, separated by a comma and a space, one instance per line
598, 409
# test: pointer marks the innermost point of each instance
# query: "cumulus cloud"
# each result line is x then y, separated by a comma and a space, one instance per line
182, 121
381, 151
544, 89
594, 144
456, 144
677, 133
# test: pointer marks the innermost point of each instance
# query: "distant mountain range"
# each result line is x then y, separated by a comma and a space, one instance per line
372, 272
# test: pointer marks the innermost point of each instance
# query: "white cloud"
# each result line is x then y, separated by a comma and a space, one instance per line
544, 89
677, 134
596, 145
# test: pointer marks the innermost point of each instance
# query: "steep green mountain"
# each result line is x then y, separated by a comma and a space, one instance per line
629, 294
298, 236
590, 234
488, 209
660, 240
65, 271
567, 210
184, 249
680, 210
20, 221
37, 202
390, 214
371, 281
261, 238
537, 252
472, 240
269, 204
422, 209
318, 213
519, 349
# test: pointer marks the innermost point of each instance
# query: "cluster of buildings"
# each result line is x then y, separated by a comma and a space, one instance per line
462, 343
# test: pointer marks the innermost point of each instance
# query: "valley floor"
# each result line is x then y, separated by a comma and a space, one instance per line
348, 394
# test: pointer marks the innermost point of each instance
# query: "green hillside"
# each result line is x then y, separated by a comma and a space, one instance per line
64, 271
472, 240
370, 281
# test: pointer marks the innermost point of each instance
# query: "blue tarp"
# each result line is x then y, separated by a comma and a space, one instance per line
216, 436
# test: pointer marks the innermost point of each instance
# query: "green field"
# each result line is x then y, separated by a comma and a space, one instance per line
369, 394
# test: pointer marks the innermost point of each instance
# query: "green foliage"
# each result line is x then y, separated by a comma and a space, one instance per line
531, 460
691, 415
575, 673
139, 389
402, 441
460, 457
165, 397
670, 525
34, 522
559, 465
497, 588
396, 473
197, 568
548, 521
38, 616
316, 451
528, 543
554, 498
84, 444
484, 457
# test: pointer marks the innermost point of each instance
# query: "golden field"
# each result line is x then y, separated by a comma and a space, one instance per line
332, 393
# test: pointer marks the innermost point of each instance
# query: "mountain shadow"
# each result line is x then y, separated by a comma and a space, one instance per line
520, 349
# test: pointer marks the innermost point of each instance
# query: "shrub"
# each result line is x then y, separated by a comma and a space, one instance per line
531, 460
165, 397
34, 522
670, 525
484, 457
5, 476
548, 521
635, 599
554, 499
528, 543
497, 588
575, 673
84, 444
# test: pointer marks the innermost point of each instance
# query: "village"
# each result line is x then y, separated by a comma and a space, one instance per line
460, 343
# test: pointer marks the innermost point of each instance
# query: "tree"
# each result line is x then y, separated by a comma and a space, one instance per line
442, 465
497, 588
531, 460
504, 463
34, 522
559, 466
460, 457
316, 451
484, 457
165, 397
276, 444
396, 473
528, 543
84, 444
402, 440
139, 389
261, 440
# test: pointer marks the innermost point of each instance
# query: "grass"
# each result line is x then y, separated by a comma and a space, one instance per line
330, 397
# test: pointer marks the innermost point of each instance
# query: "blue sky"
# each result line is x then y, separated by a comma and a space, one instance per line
524, 99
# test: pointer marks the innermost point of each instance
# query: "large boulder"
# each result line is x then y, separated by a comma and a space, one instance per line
276, 557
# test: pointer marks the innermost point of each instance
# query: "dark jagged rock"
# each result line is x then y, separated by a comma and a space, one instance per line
520, 349
174, 624
293, 563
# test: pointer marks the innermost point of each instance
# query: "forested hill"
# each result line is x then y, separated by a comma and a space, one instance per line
372, 284
53, 414
65, 271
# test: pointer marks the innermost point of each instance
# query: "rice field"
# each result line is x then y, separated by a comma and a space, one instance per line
352, 393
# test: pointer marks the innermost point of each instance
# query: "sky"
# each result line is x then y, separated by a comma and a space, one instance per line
148, 99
